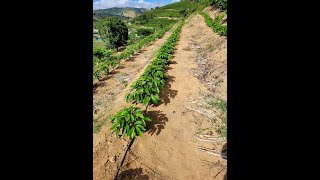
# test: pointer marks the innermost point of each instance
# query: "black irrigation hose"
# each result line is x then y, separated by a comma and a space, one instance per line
125, 154
124, 157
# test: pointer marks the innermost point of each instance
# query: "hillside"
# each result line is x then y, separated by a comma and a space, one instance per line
172, 10
127, 12
160, 102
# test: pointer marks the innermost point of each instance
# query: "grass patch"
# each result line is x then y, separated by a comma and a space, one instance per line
97, 125
97, 44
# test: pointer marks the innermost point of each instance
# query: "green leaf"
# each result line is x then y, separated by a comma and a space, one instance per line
127, 128
127, 97
139, 131
133, 133
138, 122
146, 100
137, 98
127, 116
147, 119
140, 127
144, 123
117, 132
132, 118
155, 99
114, 126
146, 90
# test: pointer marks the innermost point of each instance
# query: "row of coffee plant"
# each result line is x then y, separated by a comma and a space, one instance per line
104, 60
136, 47
130, 121
215, 24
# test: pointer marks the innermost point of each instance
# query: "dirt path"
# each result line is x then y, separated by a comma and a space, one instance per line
169, 150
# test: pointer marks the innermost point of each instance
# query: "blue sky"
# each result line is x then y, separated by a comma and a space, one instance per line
103, 4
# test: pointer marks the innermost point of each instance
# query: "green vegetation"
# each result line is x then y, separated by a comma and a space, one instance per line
98, 44
159, 22
183, 5
144, 32
147, 88
221, 4
170, 11
116, 11
113, 31
97, 125
103, 61
221, 128
215, 24
163, 13
134, 48
130, 121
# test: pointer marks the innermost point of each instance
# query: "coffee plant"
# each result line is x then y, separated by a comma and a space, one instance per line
147, 88
129, 121
134, 48
215, 24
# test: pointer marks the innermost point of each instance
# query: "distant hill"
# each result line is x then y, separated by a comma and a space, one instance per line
124, 13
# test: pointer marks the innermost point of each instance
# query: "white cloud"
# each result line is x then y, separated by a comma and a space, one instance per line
103, 4
173, 1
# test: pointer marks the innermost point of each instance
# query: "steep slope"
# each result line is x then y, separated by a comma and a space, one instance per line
110, 97
169, 150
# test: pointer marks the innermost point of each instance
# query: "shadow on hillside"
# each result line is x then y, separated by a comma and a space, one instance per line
158, 121
167, 93
120, 67
98, 84
133, 174
172, 62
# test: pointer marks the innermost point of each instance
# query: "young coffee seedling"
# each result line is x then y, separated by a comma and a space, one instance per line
129, 121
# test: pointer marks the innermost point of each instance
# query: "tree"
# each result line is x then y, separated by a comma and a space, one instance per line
221, 4
114, 32
183, 12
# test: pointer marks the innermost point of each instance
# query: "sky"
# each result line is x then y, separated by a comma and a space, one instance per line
103, 4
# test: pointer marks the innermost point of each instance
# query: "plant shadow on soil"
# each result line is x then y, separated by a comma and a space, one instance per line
158, 121
133, 174
167, 93
98, 84
121, 67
